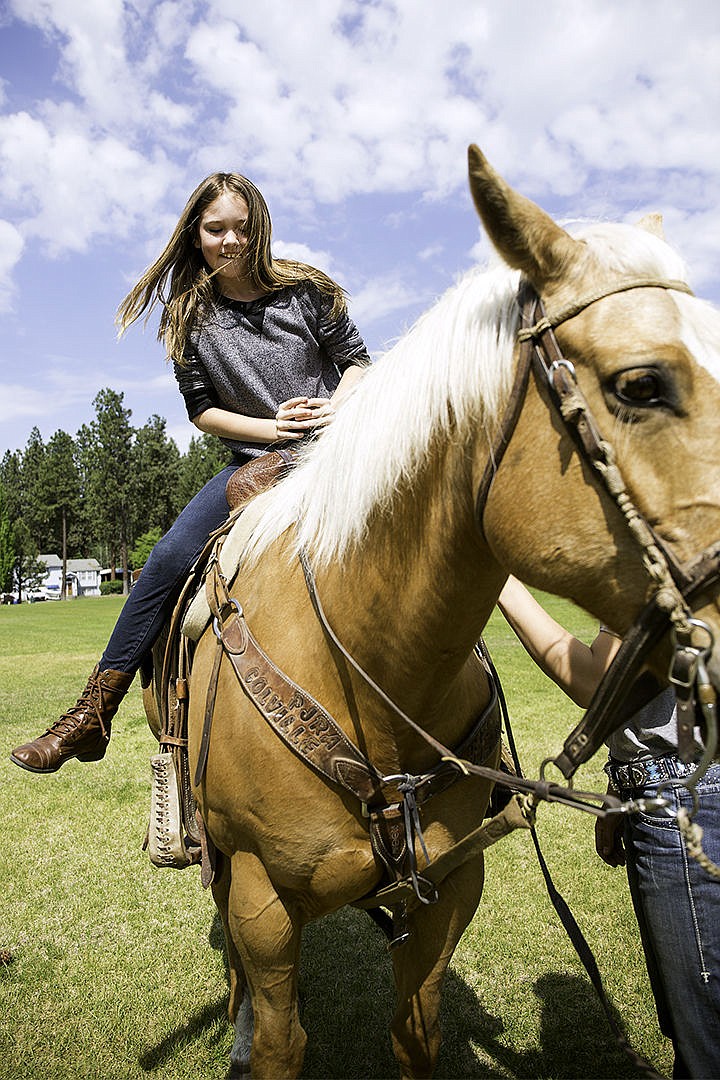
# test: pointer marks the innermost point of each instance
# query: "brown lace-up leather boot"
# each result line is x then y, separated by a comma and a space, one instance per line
83, 731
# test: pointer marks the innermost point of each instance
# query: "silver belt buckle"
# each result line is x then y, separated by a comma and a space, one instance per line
637, 775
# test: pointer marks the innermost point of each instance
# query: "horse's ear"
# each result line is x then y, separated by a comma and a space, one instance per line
652, 223
527, 238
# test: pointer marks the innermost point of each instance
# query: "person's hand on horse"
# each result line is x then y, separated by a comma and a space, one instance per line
294, 418
323, 412
299, 416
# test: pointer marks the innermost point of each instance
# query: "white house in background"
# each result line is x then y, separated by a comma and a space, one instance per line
82, 577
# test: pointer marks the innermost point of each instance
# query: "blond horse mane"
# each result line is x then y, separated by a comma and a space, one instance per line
450, 373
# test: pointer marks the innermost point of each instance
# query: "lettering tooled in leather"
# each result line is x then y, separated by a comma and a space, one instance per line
299, 720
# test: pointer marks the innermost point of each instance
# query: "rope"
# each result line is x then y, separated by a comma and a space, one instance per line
669, 597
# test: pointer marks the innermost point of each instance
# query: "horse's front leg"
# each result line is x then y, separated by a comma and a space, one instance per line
267, 943
420, 967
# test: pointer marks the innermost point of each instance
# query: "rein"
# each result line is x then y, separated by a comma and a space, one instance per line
674, 587
538, 790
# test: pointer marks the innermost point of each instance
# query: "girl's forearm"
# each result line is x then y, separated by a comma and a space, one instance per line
577, 668
230, 425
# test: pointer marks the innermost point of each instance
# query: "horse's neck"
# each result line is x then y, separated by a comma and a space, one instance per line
411, 604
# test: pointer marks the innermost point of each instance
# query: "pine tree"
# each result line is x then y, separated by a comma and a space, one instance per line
7, 545
107, 467
59, 489
156, 467
205, 457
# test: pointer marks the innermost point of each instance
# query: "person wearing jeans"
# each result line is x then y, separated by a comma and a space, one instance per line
676, 900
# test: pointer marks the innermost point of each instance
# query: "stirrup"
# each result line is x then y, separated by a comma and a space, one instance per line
167, 846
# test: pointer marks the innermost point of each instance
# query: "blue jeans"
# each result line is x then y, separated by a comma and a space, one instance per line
677, 905
156, 591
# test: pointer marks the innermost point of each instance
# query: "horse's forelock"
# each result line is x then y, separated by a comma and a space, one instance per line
451, 370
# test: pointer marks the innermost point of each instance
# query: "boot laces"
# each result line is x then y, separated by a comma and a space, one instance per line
90, 701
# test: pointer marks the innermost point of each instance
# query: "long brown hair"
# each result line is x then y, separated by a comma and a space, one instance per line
180, 280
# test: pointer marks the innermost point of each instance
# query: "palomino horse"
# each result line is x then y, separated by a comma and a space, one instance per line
408, 570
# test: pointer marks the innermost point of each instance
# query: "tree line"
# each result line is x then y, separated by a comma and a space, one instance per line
109, 493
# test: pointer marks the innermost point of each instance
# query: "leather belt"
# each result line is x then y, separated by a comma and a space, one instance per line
642, 774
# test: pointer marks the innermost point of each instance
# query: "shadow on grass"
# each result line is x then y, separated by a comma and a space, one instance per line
202, 1020
347, 999
171, 1046
575, 1040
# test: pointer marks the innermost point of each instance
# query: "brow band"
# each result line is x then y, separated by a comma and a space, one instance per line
569, 312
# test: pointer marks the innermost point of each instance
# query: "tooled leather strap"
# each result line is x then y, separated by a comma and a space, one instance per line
538, 789
334, 755
299, 720
311, 732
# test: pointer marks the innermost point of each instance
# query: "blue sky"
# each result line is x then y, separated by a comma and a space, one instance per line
353, 117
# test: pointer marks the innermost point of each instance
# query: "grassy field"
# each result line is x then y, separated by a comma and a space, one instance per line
116, 969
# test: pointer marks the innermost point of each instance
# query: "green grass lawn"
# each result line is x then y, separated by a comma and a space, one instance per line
117, 968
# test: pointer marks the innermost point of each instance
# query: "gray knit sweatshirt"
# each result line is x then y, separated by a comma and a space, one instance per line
249, 357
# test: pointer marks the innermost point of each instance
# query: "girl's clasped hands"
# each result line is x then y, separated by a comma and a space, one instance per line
299, 416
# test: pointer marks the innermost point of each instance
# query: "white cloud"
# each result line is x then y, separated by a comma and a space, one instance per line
394, 92
381, 297
23, 401
110, 59
332, 99
302, 253
432, 251
69, 189
11, 246
38, 401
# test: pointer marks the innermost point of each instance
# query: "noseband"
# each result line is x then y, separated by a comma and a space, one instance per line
676, 589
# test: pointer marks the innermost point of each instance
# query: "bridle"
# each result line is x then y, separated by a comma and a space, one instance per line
675, 588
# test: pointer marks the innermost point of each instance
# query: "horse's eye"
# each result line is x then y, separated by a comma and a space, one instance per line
639, 386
